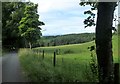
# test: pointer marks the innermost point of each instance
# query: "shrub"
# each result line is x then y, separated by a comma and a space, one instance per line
91, 71
68, 51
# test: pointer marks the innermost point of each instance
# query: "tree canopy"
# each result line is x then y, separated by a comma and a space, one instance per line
19, 20
29, 24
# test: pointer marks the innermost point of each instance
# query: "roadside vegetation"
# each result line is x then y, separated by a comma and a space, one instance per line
72, 63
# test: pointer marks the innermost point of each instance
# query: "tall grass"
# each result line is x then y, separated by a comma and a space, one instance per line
72, 63
39, 70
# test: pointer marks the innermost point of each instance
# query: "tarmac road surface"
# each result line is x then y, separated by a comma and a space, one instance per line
11, 69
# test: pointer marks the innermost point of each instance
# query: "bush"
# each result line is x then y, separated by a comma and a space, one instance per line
68, 51
91, 71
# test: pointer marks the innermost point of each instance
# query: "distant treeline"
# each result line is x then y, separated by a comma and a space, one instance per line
65, 39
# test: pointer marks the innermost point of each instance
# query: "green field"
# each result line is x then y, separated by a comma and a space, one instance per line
72, 63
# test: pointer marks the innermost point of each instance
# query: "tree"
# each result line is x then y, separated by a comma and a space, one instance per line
29, 24
104, 40
12, 12
90, 20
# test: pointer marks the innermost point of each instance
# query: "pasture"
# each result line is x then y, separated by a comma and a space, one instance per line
72, 62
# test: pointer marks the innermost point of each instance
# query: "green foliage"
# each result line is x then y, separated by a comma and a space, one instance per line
79, 66
38, 70
12, 12
17, 17
90, 20
68, 51
29, 24
92, 73
67, 39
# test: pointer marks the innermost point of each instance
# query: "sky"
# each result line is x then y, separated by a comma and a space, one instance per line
62, 17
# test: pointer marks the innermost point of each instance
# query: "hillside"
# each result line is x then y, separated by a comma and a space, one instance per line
66, 39
78, 49
70, 64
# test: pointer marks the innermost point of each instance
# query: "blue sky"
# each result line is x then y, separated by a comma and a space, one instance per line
62, 17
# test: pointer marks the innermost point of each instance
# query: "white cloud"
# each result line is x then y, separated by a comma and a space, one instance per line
66, 26
48, 5
62, 16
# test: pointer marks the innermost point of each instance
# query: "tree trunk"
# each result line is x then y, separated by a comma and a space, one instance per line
104, 41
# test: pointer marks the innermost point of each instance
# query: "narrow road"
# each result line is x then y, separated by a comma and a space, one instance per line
11, 70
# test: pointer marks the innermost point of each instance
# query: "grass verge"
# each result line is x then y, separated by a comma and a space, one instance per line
66, 69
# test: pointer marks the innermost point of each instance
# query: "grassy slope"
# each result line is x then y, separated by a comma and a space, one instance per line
70, 66
75, 51
80, 50
115, 48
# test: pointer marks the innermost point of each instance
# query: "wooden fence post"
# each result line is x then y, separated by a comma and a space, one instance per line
43, 54
56, 51
54, 59
116, 73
